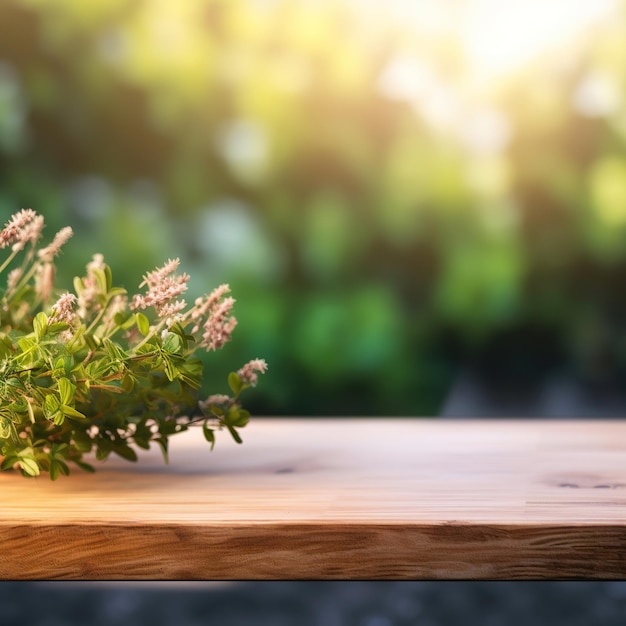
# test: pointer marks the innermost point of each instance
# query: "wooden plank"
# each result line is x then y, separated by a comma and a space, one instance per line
336, 498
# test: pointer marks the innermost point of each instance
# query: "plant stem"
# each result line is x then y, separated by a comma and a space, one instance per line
8, 260
24, 280
149, 336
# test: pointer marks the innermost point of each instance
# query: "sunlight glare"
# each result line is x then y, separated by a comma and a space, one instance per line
499, 37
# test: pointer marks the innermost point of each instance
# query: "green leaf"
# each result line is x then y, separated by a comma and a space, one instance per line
29, 465
64, 364
194, 382
27, 344
243, 417
209, 434
70, 411
142, 442
91, 341
19, 406
128, 382
66, 390
105, 446
60, 449
108, 279
194, 366
57, 466
82, 441
52, 409
171, 371
9, 461
143, 324
85, 466
6, 347
113, 350
101, 454
172, 344
190, 372
57, 327
180, 331
51, 405
116, 291
126, 452
162, 441
101, 279
115, 421
40, 325
234, 382
234, 433
31, 413
54, 470
79, 287
169, 427
5, 427
237, 416
124, 320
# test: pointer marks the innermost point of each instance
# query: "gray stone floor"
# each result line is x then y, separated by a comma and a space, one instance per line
560, 396
549, 603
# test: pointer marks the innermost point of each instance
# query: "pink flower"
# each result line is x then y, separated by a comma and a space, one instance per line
30, 233
14, 229
63, 308
44, 280
88, 297
13, 278
216, 398
248, 372
48, 253
202, 306
163, 287
63, 311
218, 324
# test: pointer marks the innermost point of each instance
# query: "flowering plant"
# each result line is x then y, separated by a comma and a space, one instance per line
96, 371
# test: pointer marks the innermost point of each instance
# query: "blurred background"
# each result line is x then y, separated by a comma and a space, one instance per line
420, 206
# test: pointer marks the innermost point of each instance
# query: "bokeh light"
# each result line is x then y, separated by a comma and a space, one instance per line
400, 194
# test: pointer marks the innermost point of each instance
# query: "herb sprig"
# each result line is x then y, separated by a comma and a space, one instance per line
96, 371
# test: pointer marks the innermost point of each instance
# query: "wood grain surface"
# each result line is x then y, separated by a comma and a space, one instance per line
335, 499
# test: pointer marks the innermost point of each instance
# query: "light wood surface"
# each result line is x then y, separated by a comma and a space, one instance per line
335, 498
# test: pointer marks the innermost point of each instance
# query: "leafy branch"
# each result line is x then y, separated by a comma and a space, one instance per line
96, 372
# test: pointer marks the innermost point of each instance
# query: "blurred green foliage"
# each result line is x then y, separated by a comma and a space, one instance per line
382, 223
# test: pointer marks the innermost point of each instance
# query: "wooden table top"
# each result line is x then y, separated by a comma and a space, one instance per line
335, 498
